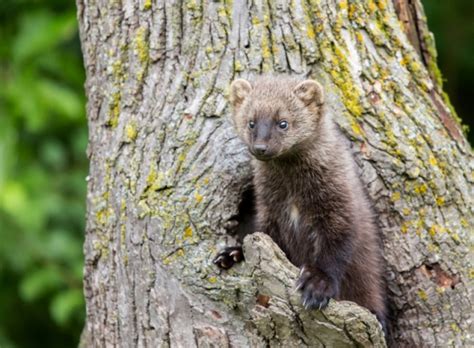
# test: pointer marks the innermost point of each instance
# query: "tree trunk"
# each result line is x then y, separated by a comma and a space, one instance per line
167, 172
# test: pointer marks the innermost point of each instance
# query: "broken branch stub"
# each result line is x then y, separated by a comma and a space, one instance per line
279, 315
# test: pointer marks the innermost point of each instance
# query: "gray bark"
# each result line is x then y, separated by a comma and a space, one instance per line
167, 171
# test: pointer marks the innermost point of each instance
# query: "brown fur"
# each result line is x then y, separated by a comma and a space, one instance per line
309, 198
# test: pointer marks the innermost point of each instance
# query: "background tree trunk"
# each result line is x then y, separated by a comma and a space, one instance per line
167, 171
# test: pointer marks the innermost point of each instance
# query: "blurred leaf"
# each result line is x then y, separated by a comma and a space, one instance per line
66, 304
59, 99
7, 142
40, 31
63, 247
43, 137
13, 197
53, 154
39, 282
5, 342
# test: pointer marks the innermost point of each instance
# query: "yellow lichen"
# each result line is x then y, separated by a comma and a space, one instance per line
395, 197
131, 132
117, 70
152, 176
455, 328
182, 157
147, 5
382, 4
310, 32
419, 224
421, 189
212, 280
188, 232
456, 237
141, 46
404, 227
372, 7
238, 66
422, 295
198, 197
440, 201
114, 110
433, 230
192, 5
356, 128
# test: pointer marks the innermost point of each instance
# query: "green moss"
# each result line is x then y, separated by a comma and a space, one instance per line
447, 101
432, 58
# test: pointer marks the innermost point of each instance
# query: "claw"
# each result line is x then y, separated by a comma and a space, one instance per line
305, 304
231, 224
235, 255
302, 270
317, 289
217, 260
228, 257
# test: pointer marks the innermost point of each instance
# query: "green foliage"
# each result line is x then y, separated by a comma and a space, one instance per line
43, 137
452, 23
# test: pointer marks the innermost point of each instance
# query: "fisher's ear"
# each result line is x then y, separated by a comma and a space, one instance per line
239, 90
309, 91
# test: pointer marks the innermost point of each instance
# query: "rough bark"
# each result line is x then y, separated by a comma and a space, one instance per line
167, 171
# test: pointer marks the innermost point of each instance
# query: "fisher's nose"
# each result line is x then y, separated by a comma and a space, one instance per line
260, 149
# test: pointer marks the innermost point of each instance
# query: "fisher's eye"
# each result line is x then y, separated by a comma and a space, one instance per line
251, 124
283, 124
